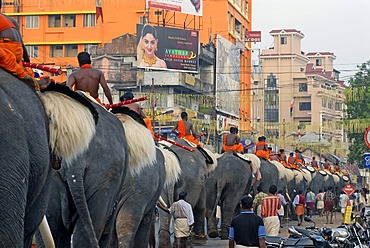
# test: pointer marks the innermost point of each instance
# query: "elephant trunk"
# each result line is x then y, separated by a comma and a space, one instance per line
46, 233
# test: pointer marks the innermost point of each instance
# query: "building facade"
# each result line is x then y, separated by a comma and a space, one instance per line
297, 93
56, 31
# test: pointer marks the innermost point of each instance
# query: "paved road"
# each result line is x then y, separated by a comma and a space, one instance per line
320, 222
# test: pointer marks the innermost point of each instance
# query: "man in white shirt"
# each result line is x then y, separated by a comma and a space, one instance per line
343, 200
184, 219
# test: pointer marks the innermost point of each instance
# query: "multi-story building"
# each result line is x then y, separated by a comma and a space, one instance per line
297, 93
55, 31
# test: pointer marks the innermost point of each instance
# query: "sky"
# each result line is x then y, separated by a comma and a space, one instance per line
338, 26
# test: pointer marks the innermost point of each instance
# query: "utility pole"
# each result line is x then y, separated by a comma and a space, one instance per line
152, 101
214, 94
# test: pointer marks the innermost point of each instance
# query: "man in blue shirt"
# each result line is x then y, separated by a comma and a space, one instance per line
247, 228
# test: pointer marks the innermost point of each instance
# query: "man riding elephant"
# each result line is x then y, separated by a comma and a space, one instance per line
232, 142
185, 129
299, 157
262, 148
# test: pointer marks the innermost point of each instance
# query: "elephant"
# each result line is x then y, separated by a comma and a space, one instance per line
139, 196
269, 175
25, 154
86, 193
226, 189
194, 171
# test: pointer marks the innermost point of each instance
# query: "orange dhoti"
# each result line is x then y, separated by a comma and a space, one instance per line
235, 148
262, 154
299, 209
11, 54
192, 139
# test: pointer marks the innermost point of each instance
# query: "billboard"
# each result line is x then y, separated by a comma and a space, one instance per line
253, 36
192, 7
227, 77
167, 48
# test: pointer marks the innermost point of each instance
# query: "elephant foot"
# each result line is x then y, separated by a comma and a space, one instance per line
213, 233
199, 239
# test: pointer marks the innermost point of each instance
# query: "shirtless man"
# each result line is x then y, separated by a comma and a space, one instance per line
137, 108
133, 106
88, 79
232, 142
185, 129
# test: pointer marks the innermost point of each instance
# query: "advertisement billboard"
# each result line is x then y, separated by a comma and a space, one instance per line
253, 36
192, 7
227, 77
167, 48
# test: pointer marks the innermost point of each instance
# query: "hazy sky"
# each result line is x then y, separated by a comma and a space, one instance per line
338, 26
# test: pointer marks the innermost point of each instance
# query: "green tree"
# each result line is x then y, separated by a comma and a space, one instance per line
358, 112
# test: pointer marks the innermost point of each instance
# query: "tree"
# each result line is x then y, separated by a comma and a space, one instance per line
358, 112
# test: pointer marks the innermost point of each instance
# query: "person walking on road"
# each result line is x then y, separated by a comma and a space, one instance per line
310, 202
247, 229
269, 212
184, 219
299, 202
329, 198
258, 200
320, 202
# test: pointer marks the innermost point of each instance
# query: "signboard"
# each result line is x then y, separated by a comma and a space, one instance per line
366, 160
349, 189
367, 137
192, 7
253, 36
227, 77
167, 48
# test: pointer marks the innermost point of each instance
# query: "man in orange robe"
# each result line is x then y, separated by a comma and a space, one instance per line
299, 158
232, 142
261, 148
185, 129
13, 51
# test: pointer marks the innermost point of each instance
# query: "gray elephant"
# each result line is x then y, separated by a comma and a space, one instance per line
269, 174
225, 186
194, 171
25, 158
87, 192
138, 199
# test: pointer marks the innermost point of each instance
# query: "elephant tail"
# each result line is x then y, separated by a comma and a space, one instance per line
140, 142
71, 125
172, 165
217, 200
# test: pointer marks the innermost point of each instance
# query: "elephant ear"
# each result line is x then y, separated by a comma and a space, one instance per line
129, 112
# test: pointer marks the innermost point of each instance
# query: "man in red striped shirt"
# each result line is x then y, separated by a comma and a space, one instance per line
269, 211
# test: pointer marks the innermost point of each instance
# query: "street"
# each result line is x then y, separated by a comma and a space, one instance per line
320, 222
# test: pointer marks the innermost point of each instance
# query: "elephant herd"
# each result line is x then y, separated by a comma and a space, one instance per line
112, 175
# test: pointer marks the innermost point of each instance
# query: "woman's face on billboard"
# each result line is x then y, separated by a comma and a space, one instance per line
150, 44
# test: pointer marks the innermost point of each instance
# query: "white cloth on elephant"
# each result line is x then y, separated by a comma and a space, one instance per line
272, 225
182, 229
242, 246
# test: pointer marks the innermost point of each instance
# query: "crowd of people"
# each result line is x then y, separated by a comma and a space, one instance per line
266, 210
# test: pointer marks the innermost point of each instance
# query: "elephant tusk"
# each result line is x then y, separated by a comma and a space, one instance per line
161, 202
46, 234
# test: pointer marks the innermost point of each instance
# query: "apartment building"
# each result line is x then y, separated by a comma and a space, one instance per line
55, 31
297, 93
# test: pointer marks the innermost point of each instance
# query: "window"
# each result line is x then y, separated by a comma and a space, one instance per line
318, 62
283, 40
238, 26
71, 50
69, 20
271, 81
338, 106
54, 21
32, 22
302, 87
89, 20
89, 48
255, 82
33, 51
303, 106
247, 7
56, 51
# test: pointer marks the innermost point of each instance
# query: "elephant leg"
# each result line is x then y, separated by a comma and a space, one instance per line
199, 218
164, 229
229, 203
143, 232
127, 224
212, 229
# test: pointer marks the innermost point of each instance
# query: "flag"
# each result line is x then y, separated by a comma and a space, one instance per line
99, 10
291, 107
